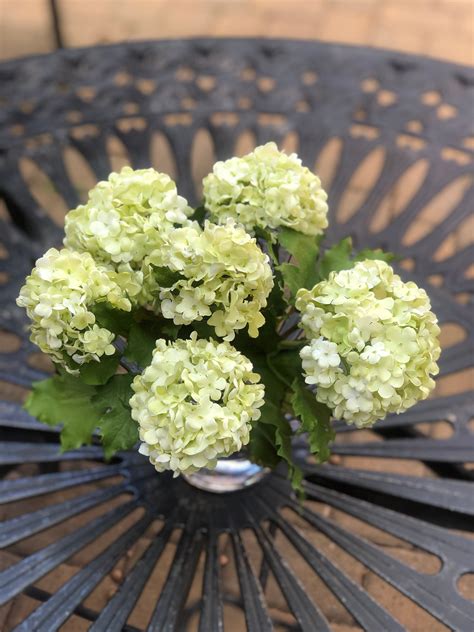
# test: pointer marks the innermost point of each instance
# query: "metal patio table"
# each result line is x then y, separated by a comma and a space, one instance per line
185, 104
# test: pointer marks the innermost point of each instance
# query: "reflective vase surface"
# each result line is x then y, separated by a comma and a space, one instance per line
231, 474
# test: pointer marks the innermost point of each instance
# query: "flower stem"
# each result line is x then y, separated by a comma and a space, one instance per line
275, 371
292, 344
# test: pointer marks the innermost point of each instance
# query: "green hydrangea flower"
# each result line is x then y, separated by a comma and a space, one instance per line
267, 188
224, 277
195, 403
58, 296
374, 342
126, 218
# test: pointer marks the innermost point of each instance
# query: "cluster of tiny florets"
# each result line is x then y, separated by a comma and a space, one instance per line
127, 217
224, 278
195, 403
269, 189
58, 297
374, 342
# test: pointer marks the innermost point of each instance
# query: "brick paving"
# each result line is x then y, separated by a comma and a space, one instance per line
441, 28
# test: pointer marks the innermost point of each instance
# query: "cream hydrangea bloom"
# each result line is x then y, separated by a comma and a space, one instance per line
195, 403
374, 342
126, 218
267, 188
225, 277
58, 296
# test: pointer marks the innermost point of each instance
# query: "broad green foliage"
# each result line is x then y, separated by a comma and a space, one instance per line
95, 373
277, 426
305, 250
141, 342
115, 320
81, 409
64, 399
342, 257
117, 429
315, 419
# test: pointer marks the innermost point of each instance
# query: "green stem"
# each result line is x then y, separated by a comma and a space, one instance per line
275, 371
292, 344
282, 319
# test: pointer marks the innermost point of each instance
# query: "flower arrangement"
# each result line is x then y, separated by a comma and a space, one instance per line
197, 332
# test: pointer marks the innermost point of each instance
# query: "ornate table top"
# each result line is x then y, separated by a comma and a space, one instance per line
122, 547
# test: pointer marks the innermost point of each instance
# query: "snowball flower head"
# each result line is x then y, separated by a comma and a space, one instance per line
374, 342
195, 403
126, 217
269, 189
58, 297
223, 276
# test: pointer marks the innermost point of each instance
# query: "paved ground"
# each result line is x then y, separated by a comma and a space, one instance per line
441, 28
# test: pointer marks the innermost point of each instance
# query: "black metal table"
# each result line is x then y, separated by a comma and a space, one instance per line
377, 547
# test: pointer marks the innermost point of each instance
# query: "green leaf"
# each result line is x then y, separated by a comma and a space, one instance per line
291, 240
269, 242
141, 342
304, 249
272, 415
293, 277
315, 419
287, 364
199, 215
65, 399
117, 428
262, 447
376, 253
170, 330
157, 325
115, 320
338, 257
166, 277
276, 303
95, 373
279, 432
274, 387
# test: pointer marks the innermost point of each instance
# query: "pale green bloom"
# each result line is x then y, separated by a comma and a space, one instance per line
195, 403
126, 218
58, 297
224, 277
374, 342
267, 188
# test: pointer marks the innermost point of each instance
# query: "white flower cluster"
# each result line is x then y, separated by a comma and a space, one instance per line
226, 278
269, 189
374, 342
136, 221
126, 218
58, 296
195, 403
